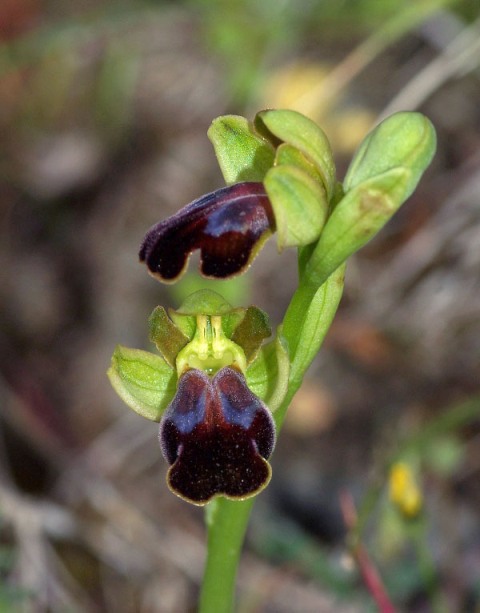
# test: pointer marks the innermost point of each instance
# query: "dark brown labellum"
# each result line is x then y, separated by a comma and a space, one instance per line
229, 226
217, 435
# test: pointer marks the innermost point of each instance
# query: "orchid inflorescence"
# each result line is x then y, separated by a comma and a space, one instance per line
218, 391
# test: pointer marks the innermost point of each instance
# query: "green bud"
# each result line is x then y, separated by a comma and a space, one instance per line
403, 140
242, 154
302, 133
144, 381
384, 172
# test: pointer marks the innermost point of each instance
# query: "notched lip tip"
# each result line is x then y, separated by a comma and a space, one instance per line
203, 503
240, 498
166, 281
158, 277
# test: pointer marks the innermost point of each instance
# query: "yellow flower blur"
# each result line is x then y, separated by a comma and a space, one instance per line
404, 491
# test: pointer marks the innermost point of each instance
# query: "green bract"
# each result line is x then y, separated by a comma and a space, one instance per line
206, 334
308, 318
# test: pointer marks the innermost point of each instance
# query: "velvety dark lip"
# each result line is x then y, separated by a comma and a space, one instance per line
217, 435
228, 225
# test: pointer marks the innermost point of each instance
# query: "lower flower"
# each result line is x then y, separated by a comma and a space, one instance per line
217, 436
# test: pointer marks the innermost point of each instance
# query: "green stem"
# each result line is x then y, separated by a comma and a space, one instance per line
227, 522
309, 315
308, 319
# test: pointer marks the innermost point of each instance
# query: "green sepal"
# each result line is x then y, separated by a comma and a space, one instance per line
251, 332
403, 140
143, 380
267, 375
242, 154
299, 204
288, 155
302, 133
168, 338
201, 302
205, 302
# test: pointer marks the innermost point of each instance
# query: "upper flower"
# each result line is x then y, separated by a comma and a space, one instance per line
281, 178
229, 226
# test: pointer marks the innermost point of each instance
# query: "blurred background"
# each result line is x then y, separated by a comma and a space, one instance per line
104, 108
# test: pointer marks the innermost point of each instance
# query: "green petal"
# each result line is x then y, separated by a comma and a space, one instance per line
403, 140
299, 203
267, 376
231, 321
187, 324
302, 133
242, 154
144, 381
167, 337
252, 331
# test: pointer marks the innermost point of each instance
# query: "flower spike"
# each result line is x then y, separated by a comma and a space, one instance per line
229, 226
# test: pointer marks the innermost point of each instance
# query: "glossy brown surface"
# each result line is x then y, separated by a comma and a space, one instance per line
227, 225
217, 435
